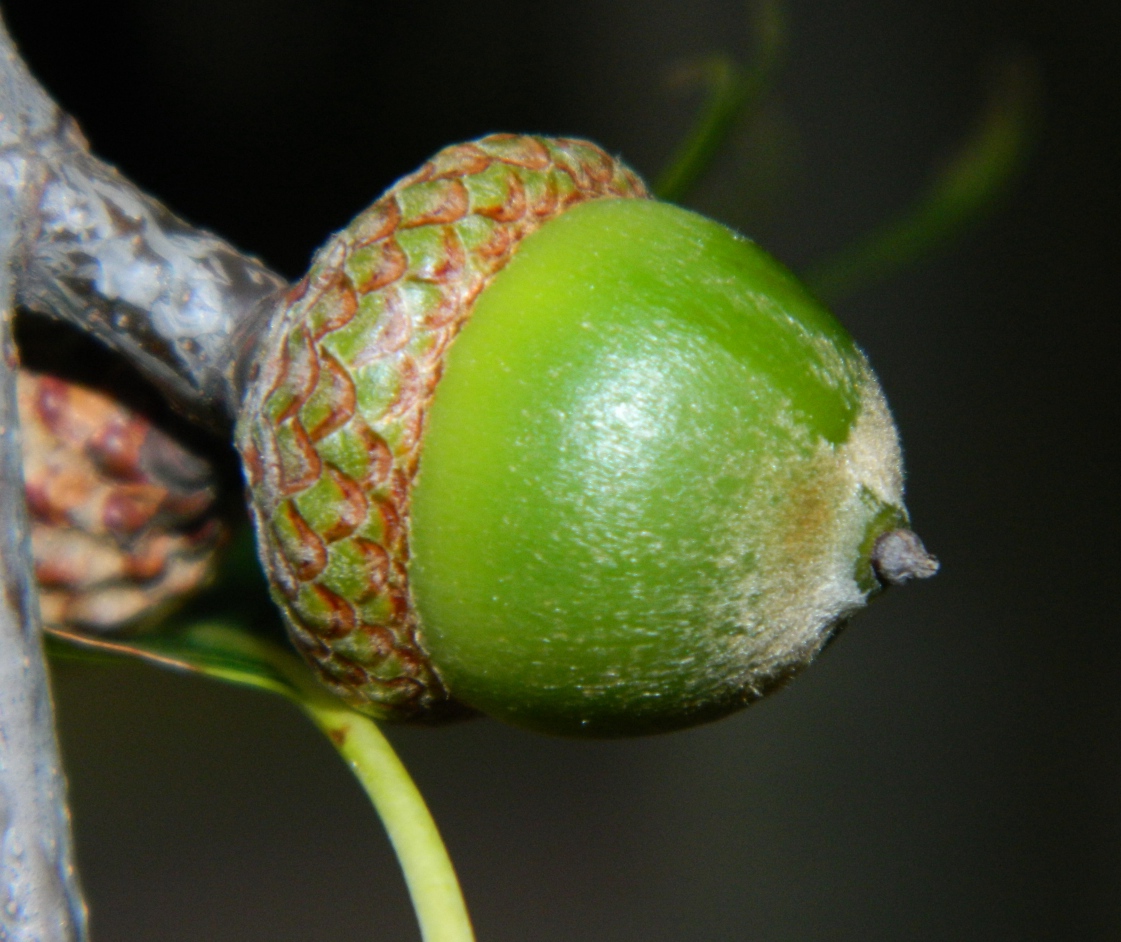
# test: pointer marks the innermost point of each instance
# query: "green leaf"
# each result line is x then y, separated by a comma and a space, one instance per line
215, 650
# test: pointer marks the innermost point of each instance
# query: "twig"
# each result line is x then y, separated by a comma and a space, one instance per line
179, 303
39, 896
231, 653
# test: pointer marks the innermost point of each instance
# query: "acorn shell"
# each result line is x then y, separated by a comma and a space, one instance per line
124, 516
654, 478
331, 427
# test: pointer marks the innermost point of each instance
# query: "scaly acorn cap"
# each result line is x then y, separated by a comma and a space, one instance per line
652, 484
125, 520
331, 428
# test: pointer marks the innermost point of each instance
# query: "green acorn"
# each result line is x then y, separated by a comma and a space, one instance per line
527, 442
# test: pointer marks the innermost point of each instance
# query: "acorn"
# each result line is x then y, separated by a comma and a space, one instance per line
125, 520
528, 442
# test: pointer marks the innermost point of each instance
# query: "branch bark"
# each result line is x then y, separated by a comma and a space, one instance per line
81, 243
178, 302
39, 896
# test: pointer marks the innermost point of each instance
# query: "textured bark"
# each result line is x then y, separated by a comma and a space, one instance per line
179, 303
39, 896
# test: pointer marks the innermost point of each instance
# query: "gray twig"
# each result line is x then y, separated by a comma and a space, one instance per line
79, 242
39, 896
179, 303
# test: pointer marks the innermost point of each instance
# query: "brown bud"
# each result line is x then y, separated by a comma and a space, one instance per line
125, 521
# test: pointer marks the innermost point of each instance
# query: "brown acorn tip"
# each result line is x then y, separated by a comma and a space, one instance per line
899, 556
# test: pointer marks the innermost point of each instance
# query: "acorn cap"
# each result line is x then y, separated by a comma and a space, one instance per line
331, 426
649, 486
124, 516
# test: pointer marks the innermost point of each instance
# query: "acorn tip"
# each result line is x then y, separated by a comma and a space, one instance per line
899, 556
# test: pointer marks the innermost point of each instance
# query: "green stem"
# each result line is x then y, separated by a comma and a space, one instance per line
428, 870
732, 93
958, 197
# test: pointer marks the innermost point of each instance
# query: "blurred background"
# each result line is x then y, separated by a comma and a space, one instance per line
950, 768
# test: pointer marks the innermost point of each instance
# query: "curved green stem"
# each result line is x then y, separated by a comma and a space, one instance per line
424, 860
237, 656
959, 196
732, 93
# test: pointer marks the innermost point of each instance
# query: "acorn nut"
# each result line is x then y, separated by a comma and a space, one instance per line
528, 442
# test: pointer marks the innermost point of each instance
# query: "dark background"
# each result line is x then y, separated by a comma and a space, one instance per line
950, 769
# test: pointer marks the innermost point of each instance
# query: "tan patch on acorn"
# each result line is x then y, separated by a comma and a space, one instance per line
332, 423
124, 521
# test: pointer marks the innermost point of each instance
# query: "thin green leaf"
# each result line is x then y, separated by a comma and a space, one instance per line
233, 654
958, 197
214, 650
732, 95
